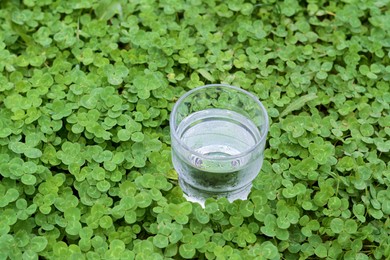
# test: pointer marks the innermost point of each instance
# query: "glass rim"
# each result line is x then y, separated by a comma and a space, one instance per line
229, 157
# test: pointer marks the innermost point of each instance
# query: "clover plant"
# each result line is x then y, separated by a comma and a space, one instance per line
86, 89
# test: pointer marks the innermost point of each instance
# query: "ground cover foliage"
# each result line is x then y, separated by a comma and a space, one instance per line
86, 88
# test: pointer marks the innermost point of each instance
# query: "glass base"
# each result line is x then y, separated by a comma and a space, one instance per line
193, 194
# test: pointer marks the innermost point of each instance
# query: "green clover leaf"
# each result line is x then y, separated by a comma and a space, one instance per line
116, 73
187, 251
148, 82
38, 244
321, 151
160, 241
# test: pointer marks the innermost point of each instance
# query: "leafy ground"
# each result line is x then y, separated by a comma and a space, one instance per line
86, 88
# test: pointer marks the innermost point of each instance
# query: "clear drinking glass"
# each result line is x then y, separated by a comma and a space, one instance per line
218, 134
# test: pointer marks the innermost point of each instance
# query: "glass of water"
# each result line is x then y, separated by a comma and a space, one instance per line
218, 134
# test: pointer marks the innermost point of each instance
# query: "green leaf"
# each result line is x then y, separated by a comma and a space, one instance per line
289, 7
206, 75
124, 135
28, 179
298, 103
337, 225
137, 137
160, 241
143, 199
148, 82
38, 244
33, 153
236, 220
321, 251
18, 147
130, 217
73, 227
116, 74
103, 186
367, 129
350, 226
246, 208
269, 250
29, 254
211, 207
187, 251
117, 249
334, 203
106, 9
105, 222
269, 228
201, 215
321, 151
